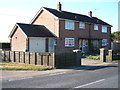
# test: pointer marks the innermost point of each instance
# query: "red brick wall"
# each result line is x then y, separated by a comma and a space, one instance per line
18, 41
79, 33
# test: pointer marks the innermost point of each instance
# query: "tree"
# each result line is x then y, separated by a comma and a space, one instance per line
115, 36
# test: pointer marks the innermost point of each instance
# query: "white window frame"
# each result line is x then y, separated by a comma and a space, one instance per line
104, 29
69, 42
81, 25
104, 42
69, 25
95, 27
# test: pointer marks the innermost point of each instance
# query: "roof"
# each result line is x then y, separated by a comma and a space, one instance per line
73, 16
33, 30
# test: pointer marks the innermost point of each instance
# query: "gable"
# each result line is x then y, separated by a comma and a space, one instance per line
48, 20
16, 29
41, 11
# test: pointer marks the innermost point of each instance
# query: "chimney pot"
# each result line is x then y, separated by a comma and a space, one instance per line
90, 13
59, 6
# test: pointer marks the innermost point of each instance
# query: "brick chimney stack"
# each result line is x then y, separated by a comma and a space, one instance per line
59, 6
90, 13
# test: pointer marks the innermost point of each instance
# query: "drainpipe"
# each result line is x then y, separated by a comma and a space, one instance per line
27, 44
89, 41
89, 31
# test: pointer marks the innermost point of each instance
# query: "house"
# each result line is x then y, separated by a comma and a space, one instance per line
32, 38
68, 30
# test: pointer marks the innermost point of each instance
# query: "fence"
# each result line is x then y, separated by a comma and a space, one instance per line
68, 59
116, 50
46, 59
115, 47
5, 46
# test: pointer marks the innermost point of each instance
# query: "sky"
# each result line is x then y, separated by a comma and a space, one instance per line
22, 11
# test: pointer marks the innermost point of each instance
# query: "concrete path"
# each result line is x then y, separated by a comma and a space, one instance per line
94, 62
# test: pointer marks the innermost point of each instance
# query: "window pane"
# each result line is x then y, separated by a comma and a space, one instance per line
69, 25
69, 42
82, 25
95, 27
104, 42
104, 29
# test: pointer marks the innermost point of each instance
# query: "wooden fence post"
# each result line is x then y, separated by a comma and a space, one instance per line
4, 56
53, 60
1, 55
27, 58
38, 58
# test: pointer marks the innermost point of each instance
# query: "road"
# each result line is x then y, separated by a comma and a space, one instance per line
103, 76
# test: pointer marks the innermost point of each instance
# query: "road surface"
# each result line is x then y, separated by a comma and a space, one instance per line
103, 76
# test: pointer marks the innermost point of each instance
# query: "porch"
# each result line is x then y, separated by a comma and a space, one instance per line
90, 45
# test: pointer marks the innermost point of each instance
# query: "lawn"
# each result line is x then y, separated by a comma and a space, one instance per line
93, 57
21, 66
97, 57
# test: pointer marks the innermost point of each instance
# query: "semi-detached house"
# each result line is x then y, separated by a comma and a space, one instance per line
63, 32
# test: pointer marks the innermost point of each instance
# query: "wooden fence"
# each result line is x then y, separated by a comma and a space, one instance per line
68, 59
46, 59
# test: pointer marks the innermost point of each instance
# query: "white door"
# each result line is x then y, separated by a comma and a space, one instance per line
37, 45
51, 45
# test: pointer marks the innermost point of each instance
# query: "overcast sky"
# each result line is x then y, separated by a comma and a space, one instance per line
22, 11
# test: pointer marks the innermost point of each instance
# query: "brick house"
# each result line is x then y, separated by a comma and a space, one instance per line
71, 31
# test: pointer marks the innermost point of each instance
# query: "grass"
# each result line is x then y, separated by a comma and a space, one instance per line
93, 57
97, 57
20, 66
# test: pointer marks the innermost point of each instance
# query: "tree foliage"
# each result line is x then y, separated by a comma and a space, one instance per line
115, 36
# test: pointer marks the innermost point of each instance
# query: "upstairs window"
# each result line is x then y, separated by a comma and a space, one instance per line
104, 29
95, 27
69, 42
69, 25
82, 25
104, 42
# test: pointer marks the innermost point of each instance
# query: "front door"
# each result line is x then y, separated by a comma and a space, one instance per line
51, 45
83, 45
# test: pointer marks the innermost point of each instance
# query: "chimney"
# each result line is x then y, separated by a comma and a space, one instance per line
59, 6
90, 13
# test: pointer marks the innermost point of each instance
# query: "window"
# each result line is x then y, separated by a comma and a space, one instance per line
69, 25
82, 25
104, 42
69, 42
95, 43
104, 29
95, 27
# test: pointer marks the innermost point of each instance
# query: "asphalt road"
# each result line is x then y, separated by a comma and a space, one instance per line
83, 77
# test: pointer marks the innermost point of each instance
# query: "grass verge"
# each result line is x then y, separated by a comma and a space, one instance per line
20, 66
